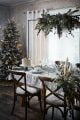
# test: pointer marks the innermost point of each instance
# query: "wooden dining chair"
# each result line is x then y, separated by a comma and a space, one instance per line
22, 89
78, 65
77, 98
53, 98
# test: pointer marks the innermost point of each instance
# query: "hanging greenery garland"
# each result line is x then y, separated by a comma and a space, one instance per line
60, 22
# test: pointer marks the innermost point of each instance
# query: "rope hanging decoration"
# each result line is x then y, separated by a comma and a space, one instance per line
60, 22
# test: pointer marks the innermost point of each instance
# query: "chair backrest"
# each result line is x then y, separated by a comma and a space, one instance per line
51, 86
78, 65
57, 62
77, 98
19, 79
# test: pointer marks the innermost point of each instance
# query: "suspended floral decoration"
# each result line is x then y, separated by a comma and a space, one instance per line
60, 22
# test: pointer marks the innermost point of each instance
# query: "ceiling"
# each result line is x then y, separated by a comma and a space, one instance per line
14, 2
18, 2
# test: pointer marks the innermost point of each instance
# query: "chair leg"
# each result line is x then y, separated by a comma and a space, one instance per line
72, 114
15, 99
26, 107
44, 110
39, 98
28, 101
52, 112
23, 101
65, 113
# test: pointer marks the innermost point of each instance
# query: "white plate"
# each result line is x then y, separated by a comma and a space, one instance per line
36, 72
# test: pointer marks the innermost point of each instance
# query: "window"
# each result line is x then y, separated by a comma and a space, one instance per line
66, 46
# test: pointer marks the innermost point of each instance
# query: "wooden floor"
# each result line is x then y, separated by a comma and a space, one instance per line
6, 101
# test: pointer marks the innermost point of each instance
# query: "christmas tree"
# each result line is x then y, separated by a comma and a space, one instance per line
11, 49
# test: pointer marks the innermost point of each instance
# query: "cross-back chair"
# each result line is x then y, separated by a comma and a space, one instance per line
52, 98
78, 65
77, 98
22, 89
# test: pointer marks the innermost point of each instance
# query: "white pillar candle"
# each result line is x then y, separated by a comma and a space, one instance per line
66, 66
25, 62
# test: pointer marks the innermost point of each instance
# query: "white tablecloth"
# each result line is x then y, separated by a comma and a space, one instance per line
33, 79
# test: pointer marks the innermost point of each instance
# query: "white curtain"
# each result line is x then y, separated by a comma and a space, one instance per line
37, 45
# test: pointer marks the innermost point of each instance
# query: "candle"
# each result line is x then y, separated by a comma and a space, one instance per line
66, 66
25, 62
65, 69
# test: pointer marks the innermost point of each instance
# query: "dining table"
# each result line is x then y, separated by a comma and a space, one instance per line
33, 74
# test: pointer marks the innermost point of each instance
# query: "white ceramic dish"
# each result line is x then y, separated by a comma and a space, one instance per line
37, 71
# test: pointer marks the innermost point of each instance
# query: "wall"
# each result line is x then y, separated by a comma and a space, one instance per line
18, 12
4, 16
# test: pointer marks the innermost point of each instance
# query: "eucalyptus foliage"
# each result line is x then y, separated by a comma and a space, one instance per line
70, 84
60, 22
